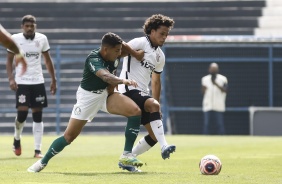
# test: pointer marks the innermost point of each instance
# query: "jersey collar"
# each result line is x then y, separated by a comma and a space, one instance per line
29, 37
148, 38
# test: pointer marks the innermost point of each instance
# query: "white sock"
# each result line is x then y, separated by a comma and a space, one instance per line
37, 129
18, 129
158, 129
141, 147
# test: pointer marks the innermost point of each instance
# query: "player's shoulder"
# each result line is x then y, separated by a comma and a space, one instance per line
140, 39
40, 35
222, 76
95, 56
17, 35
206, 77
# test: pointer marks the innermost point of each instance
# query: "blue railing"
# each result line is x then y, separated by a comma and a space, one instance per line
166, 107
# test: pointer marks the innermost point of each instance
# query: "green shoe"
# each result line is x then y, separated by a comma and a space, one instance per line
130, 159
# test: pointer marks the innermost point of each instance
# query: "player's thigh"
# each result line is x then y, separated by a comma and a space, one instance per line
122, 105
38, 96
88, 104
73, 129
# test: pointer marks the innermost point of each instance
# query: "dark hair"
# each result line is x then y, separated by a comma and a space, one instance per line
155, 21
111, 39
28, 18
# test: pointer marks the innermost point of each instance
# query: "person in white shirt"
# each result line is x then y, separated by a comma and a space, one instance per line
214, 89
156, 29
29, 87
6, 41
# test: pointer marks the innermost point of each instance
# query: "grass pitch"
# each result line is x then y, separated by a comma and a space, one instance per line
93, 159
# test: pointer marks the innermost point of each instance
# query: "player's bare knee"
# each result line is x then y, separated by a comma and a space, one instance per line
136, 111
152, 105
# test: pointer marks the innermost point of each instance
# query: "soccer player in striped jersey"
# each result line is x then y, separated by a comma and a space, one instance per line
156, 29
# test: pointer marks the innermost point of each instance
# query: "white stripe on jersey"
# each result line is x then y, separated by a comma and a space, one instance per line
154, 60
32, 51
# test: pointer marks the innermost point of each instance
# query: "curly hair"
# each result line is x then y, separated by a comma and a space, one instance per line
155, 21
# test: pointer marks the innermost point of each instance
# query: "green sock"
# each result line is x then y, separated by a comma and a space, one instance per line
58, 145
131, 132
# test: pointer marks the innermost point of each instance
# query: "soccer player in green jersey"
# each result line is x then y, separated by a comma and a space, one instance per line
93, 95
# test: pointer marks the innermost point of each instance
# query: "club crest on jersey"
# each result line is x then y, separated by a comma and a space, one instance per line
22, 98
37, 43
158, 57
116, 63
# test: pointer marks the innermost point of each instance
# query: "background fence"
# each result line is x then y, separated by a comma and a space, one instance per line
254, 72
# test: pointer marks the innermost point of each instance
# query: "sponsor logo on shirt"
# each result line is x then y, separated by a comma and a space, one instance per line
32, 54
148, 65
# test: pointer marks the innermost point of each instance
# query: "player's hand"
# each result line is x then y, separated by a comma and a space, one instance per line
20, 59
53, 87
13, 85
139, 55
110, 89
130, 82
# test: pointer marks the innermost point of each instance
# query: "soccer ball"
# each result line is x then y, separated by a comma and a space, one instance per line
210, 165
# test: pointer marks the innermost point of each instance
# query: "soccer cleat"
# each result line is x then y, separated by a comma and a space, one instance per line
38, 154
167, 150
130, 159
129, 168
17, 149
36, 167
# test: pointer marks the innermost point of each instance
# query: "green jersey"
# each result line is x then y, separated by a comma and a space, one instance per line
93, 63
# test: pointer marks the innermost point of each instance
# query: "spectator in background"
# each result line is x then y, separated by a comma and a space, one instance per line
214, 89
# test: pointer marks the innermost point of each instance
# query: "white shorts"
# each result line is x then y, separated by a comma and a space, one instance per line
88, 104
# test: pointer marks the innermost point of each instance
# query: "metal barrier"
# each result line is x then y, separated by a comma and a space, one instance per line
177, 53
272, 55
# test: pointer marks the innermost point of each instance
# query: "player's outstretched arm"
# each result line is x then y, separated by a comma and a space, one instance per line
111, 79
6, 41
126, 49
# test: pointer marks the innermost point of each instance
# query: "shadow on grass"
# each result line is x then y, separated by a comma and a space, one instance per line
16, 158
97, 173
104, 173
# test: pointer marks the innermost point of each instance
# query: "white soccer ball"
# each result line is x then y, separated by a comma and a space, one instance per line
210, 165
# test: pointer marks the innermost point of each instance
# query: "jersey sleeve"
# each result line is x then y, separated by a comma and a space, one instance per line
46, 45
160, 66
136, 43
95, 64
203, 81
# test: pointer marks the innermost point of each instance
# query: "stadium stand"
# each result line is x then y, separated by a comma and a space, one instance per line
84, 22
76, 23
